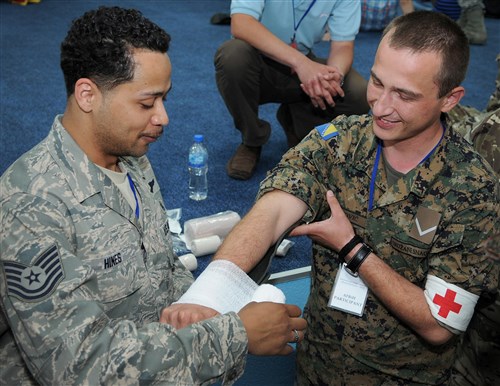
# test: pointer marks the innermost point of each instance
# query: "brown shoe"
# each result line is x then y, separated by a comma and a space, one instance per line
243, 162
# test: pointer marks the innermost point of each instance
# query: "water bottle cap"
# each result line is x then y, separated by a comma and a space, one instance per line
198, 137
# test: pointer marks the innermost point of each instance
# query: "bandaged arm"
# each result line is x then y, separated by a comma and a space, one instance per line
224, 287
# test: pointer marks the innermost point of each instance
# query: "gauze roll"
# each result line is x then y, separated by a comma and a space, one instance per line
219, 224
268, 293
205, 245
189, 261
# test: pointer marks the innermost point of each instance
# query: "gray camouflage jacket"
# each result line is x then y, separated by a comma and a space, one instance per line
83, 281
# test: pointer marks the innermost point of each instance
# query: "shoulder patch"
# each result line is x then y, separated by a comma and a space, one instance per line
327, 131
35, 282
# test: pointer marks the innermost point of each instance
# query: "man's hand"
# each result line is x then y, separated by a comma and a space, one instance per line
320, 82
334, 232
182, 315
270, 327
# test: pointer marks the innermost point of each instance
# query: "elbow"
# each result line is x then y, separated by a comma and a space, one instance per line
437, 336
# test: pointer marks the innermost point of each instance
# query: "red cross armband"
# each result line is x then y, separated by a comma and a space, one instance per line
449, 303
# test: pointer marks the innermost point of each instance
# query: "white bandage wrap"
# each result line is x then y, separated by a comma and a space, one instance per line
449, 304
268, 293
224, 287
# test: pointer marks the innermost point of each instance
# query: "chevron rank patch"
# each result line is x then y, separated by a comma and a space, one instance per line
425, 225
35, 282
327, 131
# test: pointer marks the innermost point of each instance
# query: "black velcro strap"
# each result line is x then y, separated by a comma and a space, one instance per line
353, 266
349, 246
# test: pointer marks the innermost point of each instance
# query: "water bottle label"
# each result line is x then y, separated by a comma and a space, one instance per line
196, 160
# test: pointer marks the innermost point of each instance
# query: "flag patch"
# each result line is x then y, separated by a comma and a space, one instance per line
327, 131
35, 282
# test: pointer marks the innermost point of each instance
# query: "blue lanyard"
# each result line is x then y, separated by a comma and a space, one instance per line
296, 26
375, 168
131, 183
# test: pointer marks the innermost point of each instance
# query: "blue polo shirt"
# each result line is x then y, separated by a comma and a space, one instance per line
341, 18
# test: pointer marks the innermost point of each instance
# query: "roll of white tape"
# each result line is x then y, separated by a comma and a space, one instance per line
189, 261
205, 245
219, 224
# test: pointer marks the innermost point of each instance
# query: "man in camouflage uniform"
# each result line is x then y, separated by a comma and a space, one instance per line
401, 198
86, 262
479, 355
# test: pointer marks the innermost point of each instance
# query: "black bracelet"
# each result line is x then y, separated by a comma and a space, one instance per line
349, 247
353, 266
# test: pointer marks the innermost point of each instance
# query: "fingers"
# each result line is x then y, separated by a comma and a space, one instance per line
322, 93
293, 310
270, 327
331, 199
182, 315
297, 336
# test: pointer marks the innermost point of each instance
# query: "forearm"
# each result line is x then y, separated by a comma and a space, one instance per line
270, 217
403, 298
341, 55
250, 30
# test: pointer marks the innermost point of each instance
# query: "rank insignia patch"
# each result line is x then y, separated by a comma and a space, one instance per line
35, 282
425, 225
327, 131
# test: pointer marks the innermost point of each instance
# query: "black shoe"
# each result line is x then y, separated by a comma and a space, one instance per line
221, 19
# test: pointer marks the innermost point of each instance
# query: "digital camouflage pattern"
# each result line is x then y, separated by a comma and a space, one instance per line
83, 281
479, 354
454, 183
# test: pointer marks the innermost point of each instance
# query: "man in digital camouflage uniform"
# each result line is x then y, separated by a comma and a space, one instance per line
479, 355
401, 198
86, 260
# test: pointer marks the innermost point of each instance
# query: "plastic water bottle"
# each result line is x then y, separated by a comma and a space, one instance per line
198, 167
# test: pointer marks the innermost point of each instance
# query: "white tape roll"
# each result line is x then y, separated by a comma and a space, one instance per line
219, 224
205, 245
189, 261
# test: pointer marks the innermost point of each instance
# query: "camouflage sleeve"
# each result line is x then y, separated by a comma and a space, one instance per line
300, 172
306, 169
67, 334
457, 256
182, 279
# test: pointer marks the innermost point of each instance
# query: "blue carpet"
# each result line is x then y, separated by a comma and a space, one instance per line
32, 93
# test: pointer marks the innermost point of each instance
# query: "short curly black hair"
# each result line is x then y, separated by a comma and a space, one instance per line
99, 46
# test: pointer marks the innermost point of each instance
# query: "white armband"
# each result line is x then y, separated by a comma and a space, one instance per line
449, 303
225, 287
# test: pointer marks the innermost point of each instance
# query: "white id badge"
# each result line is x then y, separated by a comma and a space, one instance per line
349, 292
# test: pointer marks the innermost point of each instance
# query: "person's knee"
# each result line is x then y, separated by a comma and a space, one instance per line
355, 88
233, 56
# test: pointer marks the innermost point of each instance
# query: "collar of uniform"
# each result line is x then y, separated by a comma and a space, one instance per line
83, 177
422, 177
365, 148
416, 181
